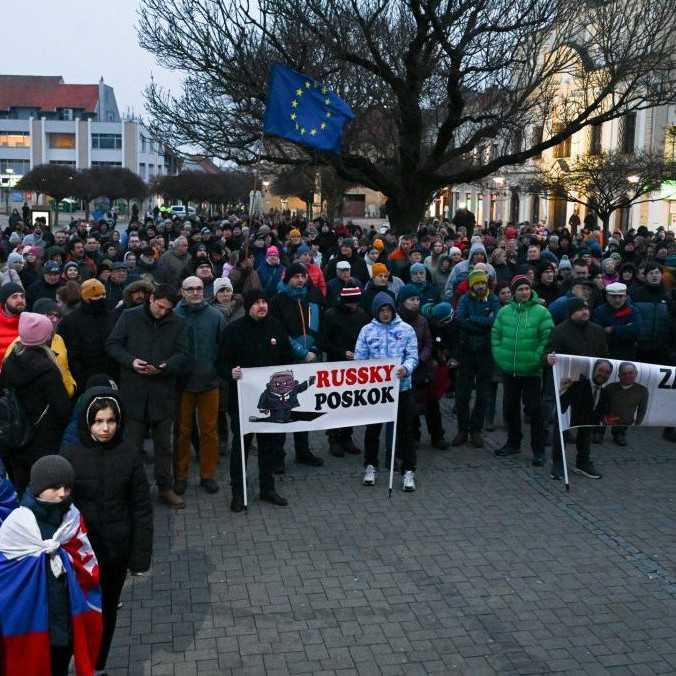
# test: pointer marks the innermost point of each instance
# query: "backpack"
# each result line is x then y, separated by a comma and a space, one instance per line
16, 429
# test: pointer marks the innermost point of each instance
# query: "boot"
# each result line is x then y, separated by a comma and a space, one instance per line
476, 439
441, 444
237, 503
460, 439
309, 458
350, 448
620, 438
170, 498
274, 498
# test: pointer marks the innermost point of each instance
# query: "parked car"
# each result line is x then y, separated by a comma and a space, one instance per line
181, 211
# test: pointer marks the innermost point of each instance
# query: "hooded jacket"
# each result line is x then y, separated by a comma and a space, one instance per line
394, 340
111, 491
519, 336
462, 268
475, 317
299, 312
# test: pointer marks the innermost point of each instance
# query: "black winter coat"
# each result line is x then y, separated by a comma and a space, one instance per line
38, 383
340, 331
111, 490
588, 340
138, 335
85, 331
40, 289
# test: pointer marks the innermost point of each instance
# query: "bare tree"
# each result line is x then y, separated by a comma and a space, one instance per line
604, 183
55, 180
444, 91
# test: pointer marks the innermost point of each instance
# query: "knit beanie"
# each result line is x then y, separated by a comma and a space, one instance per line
15, 258
378, 244
408, 291
295, 233
251, 296
519, 280
91, 289
221, 283
575, 304
477, 277
9, 289
302, 250
50, 471
380, 269
351, 293
565, 263
272, 250
454, 251
45, 306
34, 329
416, 267
294, 269
441, 312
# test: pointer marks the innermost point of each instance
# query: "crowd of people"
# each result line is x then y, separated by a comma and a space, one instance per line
109, 336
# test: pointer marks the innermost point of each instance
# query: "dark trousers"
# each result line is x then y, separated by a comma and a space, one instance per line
475, 373
582, 443
340, 434
530, 389
433, 421
301, 444
270, 450
160, 431
113, 574
61, 656
406, 449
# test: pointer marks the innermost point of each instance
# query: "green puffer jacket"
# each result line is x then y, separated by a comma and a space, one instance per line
519, 337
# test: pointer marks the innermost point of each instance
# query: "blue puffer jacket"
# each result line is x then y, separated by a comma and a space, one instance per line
626, 328
394, 340
475, 319
654, 306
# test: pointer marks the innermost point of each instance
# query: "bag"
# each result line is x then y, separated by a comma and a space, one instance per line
16, 429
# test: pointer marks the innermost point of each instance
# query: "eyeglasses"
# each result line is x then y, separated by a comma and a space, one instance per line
193, 289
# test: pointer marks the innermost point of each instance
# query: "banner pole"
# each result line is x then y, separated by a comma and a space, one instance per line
241, 446
558, 414
394, 441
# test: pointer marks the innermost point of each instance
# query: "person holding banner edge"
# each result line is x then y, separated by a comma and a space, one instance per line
388, 336
257, 339
576, 336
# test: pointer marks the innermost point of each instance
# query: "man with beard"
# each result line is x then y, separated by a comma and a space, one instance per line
578, 336
135, 294
12, 304
341, 326
85, 331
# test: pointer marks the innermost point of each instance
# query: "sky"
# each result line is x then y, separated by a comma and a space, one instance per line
81, 40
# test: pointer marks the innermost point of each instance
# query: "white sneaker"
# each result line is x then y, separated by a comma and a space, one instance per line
408, 482
369, 476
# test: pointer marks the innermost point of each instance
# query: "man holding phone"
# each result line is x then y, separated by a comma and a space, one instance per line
150, 343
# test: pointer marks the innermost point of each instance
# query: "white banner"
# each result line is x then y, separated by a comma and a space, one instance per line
612, 392
317, 396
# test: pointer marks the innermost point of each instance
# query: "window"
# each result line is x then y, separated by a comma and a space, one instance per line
106, 141
106, 164
19, 167
66, 114
63, 163
61, 141
595, 142
561, 149
536, 137
142, 170
15, 139
143, 143
628, 133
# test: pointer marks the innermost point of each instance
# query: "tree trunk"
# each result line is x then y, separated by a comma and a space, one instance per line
56, 211
405, 217
86, 202
605, 220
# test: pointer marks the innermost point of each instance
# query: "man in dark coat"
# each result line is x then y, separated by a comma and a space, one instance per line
150, 344
576, 336
257, 339
85, 331
46, 286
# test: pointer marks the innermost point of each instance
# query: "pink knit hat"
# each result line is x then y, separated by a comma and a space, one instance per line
272, 250
34, 329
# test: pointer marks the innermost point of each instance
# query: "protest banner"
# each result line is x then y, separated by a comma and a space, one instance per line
592, 392
316, 396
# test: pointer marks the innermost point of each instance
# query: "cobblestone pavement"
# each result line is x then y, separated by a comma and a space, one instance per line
489, 568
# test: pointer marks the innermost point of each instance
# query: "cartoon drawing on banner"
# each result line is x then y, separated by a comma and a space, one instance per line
280, 397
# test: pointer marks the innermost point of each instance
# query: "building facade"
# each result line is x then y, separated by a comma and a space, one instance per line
503, 197
45, 121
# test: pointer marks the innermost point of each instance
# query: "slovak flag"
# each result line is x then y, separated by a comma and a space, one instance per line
24, 625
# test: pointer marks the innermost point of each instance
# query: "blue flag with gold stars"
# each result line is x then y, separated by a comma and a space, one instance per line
304, 111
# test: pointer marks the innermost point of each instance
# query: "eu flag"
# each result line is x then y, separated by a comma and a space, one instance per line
304, 111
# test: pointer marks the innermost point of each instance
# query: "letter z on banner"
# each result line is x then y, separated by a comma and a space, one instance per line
317, 396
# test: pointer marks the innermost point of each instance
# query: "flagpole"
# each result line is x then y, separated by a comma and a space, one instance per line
241, 446
555, 374
394, 442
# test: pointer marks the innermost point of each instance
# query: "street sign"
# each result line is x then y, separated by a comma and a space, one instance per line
9, 180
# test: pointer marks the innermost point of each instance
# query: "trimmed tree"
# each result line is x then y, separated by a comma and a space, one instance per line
54, 180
